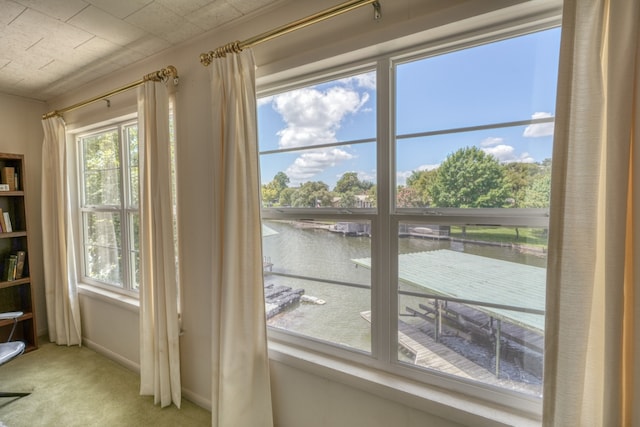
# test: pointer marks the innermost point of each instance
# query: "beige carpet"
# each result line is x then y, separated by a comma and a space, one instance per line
73, 386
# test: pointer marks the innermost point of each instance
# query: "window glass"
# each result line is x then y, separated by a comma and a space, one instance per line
109, 183
504, 81
312, 286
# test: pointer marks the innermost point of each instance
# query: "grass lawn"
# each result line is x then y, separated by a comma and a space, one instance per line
523, 236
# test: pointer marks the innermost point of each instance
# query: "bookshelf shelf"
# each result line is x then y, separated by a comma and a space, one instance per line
16, 291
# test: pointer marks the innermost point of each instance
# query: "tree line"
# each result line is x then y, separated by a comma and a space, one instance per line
468, 178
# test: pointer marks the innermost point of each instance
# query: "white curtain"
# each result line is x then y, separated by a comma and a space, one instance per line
159, 299
592, 357
63, 308
241, 395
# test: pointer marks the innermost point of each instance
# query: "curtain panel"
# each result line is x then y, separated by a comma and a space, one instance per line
159, 299
61, 293
592, 339
241, 394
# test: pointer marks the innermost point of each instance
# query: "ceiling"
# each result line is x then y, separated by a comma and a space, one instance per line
50, 46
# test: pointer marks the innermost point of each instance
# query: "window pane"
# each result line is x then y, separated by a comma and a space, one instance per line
103, 254
312, 286
509, 80
482, 169
101, 169
466, 294
331, 113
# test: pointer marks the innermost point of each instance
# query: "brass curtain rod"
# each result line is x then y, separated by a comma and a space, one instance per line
156, 76
238, 46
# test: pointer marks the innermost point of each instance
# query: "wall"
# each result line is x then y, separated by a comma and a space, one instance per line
21, 133
300, 398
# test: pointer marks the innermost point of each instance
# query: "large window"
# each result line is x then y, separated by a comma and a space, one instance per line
405, 211
109, 206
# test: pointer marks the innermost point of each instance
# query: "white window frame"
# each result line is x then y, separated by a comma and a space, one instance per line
382, 366
124, 210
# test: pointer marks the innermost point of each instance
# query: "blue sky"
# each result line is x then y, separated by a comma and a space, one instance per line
504, 81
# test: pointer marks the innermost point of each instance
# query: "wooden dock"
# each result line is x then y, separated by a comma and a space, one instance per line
426, 352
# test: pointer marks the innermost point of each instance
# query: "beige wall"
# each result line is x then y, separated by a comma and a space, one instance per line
299, 397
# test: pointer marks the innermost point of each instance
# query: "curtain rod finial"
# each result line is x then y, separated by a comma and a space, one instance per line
205, 58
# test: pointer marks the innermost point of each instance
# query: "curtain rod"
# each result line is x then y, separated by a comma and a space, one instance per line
237, 46
156, 76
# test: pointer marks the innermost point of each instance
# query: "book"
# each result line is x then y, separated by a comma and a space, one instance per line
7, 222
10, 268
21, 257
8, 176
2, 224
4, 187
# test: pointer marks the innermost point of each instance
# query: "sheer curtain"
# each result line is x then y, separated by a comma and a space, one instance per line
63, 308
241, 395
159, 299
592, 358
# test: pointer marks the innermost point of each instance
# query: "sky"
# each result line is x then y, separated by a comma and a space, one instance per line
504, 81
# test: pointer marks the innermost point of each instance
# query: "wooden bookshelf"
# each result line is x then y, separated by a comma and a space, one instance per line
16, 291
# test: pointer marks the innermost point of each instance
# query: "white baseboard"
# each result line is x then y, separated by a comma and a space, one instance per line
135, 367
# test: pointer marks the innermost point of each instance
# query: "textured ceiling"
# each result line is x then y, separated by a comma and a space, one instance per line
50, 46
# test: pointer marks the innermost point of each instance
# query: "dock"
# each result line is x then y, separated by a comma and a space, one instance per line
428, 353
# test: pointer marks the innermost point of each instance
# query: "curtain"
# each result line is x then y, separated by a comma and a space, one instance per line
159, 299
592, 356
241, 395
63, 308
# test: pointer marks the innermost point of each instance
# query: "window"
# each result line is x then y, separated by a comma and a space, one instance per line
109, 214
423, 230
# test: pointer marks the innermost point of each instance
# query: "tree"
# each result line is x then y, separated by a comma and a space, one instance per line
285, 196
539, 192
311, 194
470, 178
349, 182
272, 190
520, 176
407, 197
422, 181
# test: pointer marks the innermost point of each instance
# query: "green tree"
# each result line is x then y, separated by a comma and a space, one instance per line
349, 182
421, 182
312, 194
520, 176
538, 193
285, 196
470, 178
272, 190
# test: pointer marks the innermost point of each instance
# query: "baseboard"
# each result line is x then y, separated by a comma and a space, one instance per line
135, 367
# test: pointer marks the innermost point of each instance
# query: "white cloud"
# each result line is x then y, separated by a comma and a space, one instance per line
491, 141
539, 129
311, 163
365, 81
506, 154
265, 100
313, 117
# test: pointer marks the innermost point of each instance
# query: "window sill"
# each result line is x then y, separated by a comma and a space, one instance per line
111, 297
439, 402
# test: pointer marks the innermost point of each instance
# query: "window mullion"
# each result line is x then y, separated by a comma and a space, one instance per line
383, 295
